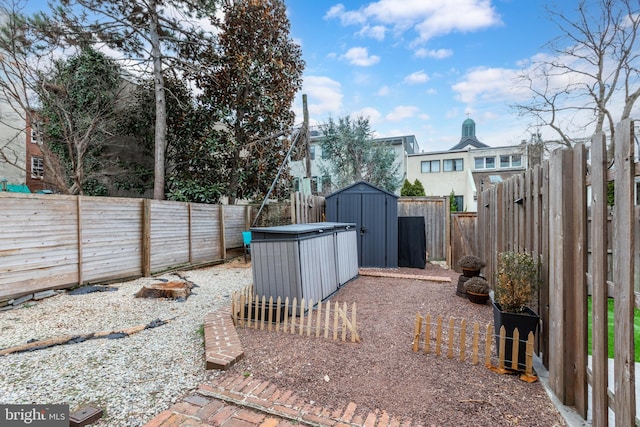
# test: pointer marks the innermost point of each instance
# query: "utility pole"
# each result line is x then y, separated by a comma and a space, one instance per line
305, 133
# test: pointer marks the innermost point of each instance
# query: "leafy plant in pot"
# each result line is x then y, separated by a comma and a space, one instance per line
516, 283
477, 289
471, 265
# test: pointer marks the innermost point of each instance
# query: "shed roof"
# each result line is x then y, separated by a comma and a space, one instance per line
361, 187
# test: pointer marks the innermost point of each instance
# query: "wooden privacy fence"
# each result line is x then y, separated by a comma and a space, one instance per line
458, 341
306, 209
52, 241
331, 321
546, 212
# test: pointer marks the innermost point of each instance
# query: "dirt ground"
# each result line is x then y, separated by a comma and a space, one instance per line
382, 372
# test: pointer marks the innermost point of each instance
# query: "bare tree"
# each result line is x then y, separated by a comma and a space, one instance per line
591, 76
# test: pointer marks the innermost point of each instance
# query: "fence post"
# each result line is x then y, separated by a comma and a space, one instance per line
79, 228
146, 238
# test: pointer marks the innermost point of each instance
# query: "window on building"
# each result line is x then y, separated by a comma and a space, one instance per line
430, 166
37, 167
452, 165
485, 162
511, 161
312, 152
296, 184
36, 133
314, 185
325, 154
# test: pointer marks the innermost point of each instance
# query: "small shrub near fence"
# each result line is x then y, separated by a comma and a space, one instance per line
456, 341
328, 320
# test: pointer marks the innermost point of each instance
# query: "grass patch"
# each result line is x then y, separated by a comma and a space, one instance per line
610, 323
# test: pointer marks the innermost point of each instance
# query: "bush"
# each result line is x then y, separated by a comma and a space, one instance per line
516, 281
471, 262
477, 285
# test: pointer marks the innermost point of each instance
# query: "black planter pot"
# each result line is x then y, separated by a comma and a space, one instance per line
460, 288
478, 298
470, 273
525, 322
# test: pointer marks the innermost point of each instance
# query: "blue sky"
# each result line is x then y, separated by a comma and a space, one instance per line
419, 66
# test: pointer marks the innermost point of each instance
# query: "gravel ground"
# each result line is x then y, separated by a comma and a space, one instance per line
132, 379
382, 372
136, 378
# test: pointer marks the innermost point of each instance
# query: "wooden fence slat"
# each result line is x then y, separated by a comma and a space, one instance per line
515, 348
335, 321
623, 250
242, 302
310, 317
278, 314
427, 335
487, 345
463, 336
270, 322
318, 318
326, 320
294, 306
417, 331
262, 312
354, 328
501, 352
438, 335
344, 323
476, 342
451, 338
286, 316
302, 308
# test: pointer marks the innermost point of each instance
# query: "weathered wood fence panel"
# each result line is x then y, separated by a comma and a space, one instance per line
169, 234
435, 211
307, 209
546, 212
38, 243
53, 242
110, 236
463, 236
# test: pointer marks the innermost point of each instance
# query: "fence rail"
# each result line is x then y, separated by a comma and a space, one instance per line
327, 320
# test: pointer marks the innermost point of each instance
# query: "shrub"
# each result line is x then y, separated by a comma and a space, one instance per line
477, 285
471, 262
516, 281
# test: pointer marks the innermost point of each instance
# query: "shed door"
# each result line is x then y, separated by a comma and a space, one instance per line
373, 231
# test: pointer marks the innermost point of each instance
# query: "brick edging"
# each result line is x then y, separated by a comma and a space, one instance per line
221, 342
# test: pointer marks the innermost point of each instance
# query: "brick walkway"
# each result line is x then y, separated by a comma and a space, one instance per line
238, 401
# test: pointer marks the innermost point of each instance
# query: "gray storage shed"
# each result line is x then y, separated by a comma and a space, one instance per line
375, 213
295, 261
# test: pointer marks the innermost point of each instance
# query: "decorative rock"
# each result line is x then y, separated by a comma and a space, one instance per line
44, 294
20, 300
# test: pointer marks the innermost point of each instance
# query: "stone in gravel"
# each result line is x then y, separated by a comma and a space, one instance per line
91, 289
44, 294
20, 300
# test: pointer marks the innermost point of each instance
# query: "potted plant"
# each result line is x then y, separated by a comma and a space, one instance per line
477, 289
516, 284
471, 265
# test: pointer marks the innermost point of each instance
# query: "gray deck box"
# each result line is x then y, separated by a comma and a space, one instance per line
346, 250
295, 261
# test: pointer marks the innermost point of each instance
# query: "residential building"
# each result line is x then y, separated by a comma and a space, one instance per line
322, 183
12, 141
466, 168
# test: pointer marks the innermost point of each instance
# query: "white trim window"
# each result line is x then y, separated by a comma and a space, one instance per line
37, 167
453, 165
485, 162
511, 161
430, 166
36, 133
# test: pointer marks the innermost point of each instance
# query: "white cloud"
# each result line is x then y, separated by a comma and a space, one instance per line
417, 77
383, 91
324, 95
402, 112
487, 83
429, 19
375, 32
360, 56
371, 113
431, 53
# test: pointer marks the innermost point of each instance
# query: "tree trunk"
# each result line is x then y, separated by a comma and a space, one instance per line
161, 112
